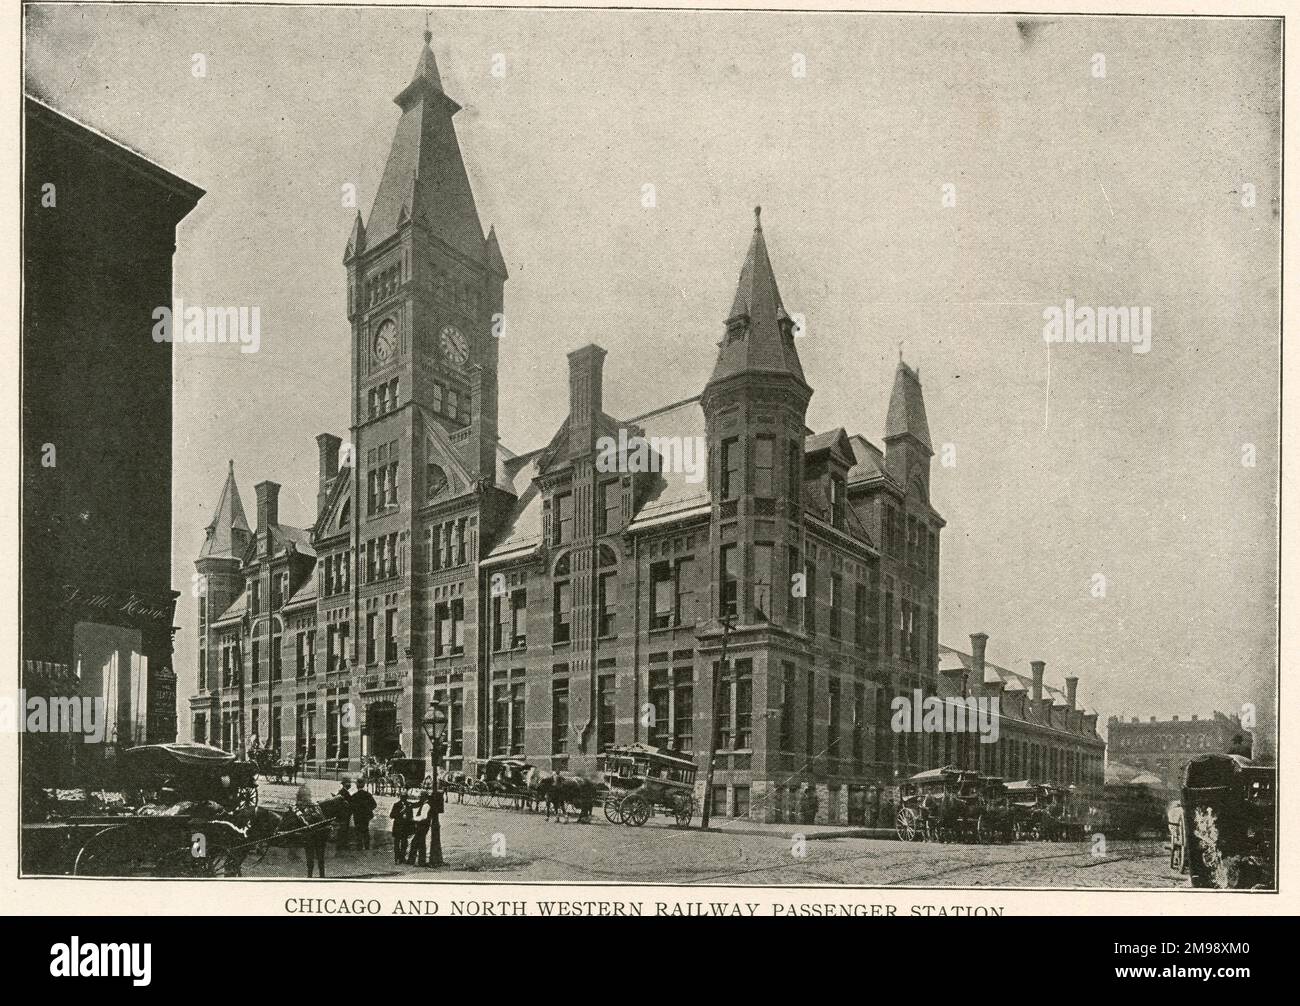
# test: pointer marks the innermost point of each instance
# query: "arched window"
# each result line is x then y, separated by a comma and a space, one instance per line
345, 513
435, 479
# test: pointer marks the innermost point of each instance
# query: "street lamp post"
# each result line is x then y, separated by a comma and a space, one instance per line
726, 621
435, 728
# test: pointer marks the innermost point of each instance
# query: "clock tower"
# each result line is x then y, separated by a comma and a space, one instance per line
425, 296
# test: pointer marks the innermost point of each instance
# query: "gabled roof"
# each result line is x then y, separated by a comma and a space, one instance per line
424, 179
907, 408
238, 607
673, 495
229, 514
306, 594
759, 337
835, 440
522, 532
869, 463
340, 493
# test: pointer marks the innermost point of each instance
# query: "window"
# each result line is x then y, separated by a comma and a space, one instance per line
763, 451
203, 670
501, 622
833, 728
683, 711
437, 397
859, 725
501, 719
390, 635
731, 470
763, 579
742, 801
256, 586
372, 403
810, 599
372, 497
457, 626
456, 725
372, 654
837, 589
888, 621
560, 716
453, 403
562, 613
787, 706
662, 595
257, 661
729, 570
809, 723
793, 458
860, 614
794, 568
611, 507
605, 712
735, 706
517, 721
277, 665
435, 479
607, 598
685, 572
519, 618
563, 518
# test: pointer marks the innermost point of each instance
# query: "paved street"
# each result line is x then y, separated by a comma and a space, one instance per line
506, 845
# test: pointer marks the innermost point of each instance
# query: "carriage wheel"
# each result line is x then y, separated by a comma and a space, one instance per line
246, 797
117, 851
905, 824
684, 810
220, 861
612, 812
985, 832
635, 811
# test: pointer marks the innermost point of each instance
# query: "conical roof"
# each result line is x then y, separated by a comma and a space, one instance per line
229, 514
907, 408
759, 334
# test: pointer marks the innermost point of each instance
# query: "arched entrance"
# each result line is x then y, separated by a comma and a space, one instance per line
383, 735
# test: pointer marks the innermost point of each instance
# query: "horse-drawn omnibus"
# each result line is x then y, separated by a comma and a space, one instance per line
641, 778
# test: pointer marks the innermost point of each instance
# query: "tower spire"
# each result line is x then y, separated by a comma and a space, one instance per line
760, 333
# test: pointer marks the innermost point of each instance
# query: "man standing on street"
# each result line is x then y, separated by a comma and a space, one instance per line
343, 840
419, 841
363, 809
400, 816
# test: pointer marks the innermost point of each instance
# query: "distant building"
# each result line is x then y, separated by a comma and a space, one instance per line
1043, 735
97, 604
1164, 747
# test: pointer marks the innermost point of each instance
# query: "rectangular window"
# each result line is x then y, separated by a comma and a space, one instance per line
607, 599
501, 719
203, 670
500, 622
562, 613
560, 716
457, 626
742, 801
838, 494
257, 661
661, 595
860, 615
743, 704
763, 579
257, 597
810, 698
453, 403
605, 712
610, 513
837, 589
563, 518
437, 397
794, 568
763, 451
810, 599
519, 618
731, 468
787, 706
661, 699
277, 659
833, 728
684, 570
729, 577
859, 725
683, 709
330, 649
372, 495
441, 628
517, 721
390, 635
372, 654
888, 620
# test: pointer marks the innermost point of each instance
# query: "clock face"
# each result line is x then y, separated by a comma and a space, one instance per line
455, 347
385, 341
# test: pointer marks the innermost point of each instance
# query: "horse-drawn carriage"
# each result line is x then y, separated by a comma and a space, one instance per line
640, 778
274, 768
393, 776
1044, 812
954, 805
1228, 823
174, 811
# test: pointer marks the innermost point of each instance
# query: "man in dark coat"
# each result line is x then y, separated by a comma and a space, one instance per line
402, 825
363, 809
419, 850
343, 838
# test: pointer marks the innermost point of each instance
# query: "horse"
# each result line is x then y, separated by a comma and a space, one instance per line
306, 826
560, 792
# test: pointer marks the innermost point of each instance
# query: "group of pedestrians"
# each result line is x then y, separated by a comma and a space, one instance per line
410, 822
361, 809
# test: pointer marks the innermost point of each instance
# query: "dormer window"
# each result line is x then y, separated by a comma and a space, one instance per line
838, 497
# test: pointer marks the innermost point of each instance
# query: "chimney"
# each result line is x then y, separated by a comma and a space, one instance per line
1175, 717
1072, 692
1090, 722
1037, 667
585, 402
483, 424
328, 445
978, 642
1195, 717
268, 514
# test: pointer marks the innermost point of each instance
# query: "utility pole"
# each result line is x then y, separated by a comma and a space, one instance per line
713, 722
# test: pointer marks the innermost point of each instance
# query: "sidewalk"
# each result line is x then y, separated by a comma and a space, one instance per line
322, 788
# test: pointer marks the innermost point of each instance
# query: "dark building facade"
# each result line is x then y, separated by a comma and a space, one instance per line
1164, 747
97, 601
578, 595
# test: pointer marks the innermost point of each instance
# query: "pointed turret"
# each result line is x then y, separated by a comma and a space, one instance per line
425, 180
357, 242
760, 334
228, 532
907, 409
495, 262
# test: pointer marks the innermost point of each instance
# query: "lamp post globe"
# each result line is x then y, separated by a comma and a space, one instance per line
435, 728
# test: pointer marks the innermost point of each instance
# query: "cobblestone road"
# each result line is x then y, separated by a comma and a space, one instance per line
506, 845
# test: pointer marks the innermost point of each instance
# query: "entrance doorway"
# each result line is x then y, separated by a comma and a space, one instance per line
383, 735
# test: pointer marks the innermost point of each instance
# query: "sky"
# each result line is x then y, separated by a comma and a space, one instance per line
927, 182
